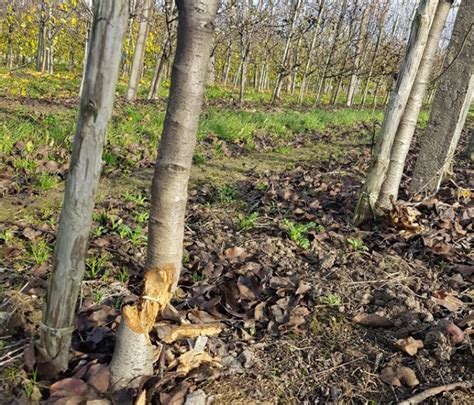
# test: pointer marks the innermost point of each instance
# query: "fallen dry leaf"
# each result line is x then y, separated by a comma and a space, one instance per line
468, 320
398, 375
409, 346
452, 331
447, 300
372, 320
234, 252
69, 387
193, 359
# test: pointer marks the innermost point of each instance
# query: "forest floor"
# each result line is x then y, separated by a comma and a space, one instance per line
313, 309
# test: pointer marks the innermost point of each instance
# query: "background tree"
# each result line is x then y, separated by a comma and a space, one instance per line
139, 52
450, 106
407, 126
366, 205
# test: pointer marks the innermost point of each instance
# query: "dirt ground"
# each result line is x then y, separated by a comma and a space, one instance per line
314, 311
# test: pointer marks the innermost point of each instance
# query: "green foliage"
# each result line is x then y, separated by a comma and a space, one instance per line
6, 236
247, 222
134, 198
357, 245
46, 181
331, 300
226, 194
298, 233
40, 251
95, 264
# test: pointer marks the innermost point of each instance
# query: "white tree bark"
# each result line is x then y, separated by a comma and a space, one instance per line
407, 126
139, 52
450, 107
169, 190
101, 77
366, 205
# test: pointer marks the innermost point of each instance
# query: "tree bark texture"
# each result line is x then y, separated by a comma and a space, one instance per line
139, 52
102, 70
407, 126
366, 205
450, 106
169, 190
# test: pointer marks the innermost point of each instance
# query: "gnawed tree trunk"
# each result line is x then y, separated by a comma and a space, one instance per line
407, 126
366, 205
139, 52
102, 69
450, 107
134, 354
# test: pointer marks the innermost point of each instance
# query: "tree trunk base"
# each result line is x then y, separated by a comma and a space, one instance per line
134, 354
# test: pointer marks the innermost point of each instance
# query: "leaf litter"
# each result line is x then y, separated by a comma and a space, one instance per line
332, 314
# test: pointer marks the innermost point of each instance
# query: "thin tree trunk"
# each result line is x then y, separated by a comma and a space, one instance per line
157, 75
134, 353
450, 107
366, 206
86, 55
312, 48
283, 70
354, 81
110, 17
407, 126
139, 52
40, 51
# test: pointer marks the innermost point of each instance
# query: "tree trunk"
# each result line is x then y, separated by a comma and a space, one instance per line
283, 69
139, 52
134, 353
110, 17
312, 48
369, 194
450, 107
86, 55
354, 81
407, 126
41, 49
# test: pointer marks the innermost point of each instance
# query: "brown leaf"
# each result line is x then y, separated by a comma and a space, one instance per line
409, 346
447, 300
51, 166
193, 359
29, 356
98, 376
30, 233
468, 320
234, 252
396, 376
372, 320
259, 311
176, 396
248, 288
452, 331
69, 387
